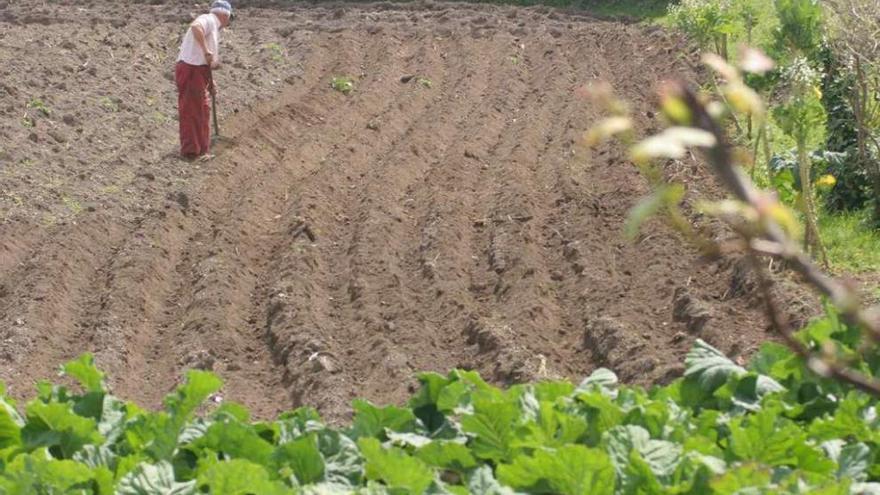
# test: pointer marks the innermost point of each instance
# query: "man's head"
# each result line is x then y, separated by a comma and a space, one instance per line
223, 10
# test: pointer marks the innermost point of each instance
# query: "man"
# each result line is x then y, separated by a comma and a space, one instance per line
198, 55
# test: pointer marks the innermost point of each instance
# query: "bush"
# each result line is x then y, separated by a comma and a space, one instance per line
852, 190
723, 428
707, 22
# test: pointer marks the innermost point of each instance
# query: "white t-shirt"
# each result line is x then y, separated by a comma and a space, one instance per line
190, 52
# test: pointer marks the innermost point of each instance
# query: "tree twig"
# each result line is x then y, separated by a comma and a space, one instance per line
844, 298
823, 365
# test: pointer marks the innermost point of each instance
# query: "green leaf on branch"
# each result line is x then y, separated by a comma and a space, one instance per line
665, 196
38, 474
187, 398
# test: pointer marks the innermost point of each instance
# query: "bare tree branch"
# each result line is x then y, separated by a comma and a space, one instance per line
824, 365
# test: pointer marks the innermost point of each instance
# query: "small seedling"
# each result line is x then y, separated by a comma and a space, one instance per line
16, 199
109, 103
27, 122
424, 81
72, 205
48, 220
513, 59
39, 105
160, 117
343, 84
276, 53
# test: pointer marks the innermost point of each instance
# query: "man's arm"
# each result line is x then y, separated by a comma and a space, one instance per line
199, 35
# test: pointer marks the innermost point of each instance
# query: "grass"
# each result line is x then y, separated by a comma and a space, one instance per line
632, 9
645, 10
852, 247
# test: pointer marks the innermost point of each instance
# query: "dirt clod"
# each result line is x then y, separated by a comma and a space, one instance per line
695, 314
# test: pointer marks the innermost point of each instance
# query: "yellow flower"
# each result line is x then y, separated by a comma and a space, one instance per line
827, 181
817, 91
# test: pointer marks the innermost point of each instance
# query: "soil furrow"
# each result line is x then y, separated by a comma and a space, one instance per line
298, 332
442, 215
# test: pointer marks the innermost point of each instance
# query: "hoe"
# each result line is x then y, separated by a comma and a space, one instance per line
216, 137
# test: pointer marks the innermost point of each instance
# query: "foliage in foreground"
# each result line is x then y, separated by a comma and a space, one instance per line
723, 428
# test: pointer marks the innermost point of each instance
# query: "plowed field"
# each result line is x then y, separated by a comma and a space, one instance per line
338, 244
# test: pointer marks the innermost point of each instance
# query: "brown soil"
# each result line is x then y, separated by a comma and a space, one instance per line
341, 243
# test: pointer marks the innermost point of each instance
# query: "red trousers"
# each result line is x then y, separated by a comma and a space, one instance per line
194, 111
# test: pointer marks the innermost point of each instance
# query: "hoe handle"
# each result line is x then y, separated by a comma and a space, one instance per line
213, 101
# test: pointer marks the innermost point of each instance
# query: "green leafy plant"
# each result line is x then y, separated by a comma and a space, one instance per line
708, 22
40, 106
800, 116
853, 188
108, 103
800, 30
73, 205
770, 427
343, 84
763, 225
851, 36
276, 53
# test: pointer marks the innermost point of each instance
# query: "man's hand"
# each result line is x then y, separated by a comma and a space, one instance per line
209, 59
